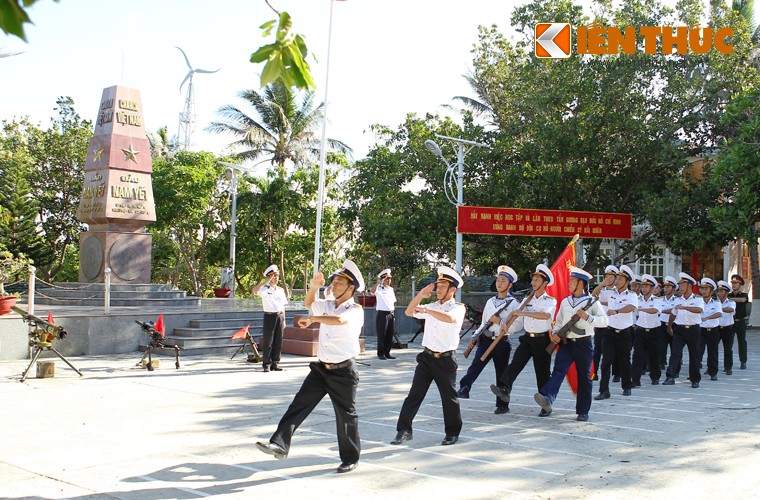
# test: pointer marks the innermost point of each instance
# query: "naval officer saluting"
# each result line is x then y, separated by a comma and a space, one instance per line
437, 362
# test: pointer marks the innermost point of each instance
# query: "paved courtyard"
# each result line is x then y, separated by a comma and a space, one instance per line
123, 432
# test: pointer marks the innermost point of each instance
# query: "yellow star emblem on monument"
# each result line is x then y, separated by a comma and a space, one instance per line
97, 154
130, 154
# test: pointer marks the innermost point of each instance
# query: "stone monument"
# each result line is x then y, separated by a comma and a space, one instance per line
117, 197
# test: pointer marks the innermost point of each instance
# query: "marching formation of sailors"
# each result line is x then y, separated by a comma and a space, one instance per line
622, 316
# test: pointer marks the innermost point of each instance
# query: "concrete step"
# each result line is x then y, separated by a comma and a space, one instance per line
115, 294
220, 332
254, 321
197, 351
144, 287
137, 302
209, 341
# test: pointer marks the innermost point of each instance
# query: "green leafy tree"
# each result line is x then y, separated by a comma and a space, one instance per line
737, 176
190, 213
283, 129
19, 232
286, 57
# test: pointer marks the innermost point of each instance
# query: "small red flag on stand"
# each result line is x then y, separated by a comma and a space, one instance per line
242, 333
50, 318
159, 326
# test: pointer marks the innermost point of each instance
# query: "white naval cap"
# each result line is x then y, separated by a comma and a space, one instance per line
507, 272
352, 274
385, 273
626, 272
670, 280
708, 282
577, 272
611, 270
688, 279
544, 271
724, 285
445, 273
648, 279
271, 269
637, 279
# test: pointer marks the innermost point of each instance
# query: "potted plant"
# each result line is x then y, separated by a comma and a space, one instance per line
224, 291
9, 266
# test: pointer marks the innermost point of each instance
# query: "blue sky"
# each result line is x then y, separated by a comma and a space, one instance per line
388, 57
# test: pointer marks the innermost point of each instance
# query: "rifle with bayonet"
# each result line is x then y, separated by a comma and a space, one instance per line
567, 327
506, 326
476, 338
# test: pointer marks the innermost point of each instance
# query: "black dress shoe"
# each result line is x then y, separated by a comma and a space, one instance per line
463, 393
616, 378
729, 372
656, 382
543, 403
266, 368
272, 449
695, 385
381, 356
583, 417
627, 392
449, 440
743, 366
706, 373
669, 381
275, 368
388, 356
602, 395
346, 467
402, 437
635, 385
713, 377
501, 410
501, 392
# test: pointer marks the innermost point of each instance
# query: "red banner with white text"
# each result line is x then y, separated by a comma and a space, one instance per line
551, 223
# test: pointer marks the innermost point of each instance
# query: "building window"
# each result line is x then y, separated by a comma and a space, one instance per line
654, 265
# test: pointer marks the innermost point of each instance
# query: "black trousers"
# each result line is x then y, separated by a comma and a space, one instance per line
529, 347
340, 384
740, 327
710, 339
500, 358
685, 336
665, 341
384, 328
599, 334
617, 349
727, 337
443, 371
646, 345
274, 325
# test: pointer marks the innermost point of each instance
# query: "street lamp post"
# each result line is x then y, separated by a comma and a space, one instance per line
463, 147
231, 172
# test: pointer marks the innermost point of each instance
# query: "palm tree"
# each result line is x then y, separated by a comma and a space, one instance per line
284, 130
746, 9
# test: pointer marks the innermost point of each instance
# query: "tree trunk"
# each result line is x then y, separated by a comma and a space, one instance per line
753, 258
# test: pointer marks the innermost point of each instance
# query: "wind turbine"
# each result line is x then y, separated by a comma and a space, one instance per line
187, 115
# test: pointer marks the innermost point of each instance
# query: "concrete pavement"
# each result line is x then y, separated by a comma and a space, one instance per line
123, 432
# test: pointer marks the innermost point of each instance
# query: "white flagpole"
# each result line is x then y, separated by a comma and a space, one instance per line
321, 189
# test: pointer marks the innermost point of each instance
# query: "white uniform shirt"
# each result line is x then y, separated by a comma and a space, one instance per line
727, 319
386, 298
338, 343
492, 306
604, 296
597, 318
666, 304
712, 306
649, 320
545, 303
440, 336
273, 298
686, 318
621, 321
